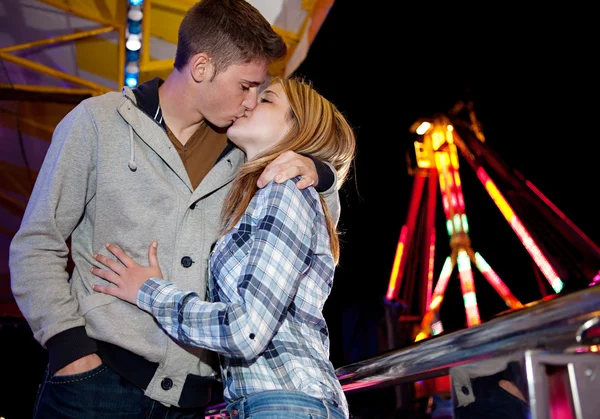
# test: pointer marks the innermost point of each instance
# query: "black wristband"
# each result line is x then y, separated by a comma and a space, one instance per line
326, 176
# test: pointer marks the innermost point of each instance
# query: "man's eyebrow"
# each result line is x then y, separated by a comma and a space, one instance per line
252, 83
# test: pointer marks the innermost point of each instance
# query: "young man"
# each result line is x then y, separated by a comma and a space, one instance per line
129, 168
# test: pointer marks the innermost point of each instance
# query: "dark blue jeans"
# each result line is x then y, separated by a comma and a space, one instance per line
282, 404
98, 394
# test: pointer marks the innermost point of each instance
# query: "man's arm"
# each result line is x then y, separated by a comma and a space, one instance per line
38, 252
320, 174
331, 193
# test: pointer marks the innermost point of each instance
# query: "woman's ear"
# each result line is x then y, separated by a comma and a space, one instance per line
200, 67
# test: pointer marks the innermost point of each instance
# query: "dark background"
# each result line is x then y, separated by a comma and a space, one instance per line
530, 76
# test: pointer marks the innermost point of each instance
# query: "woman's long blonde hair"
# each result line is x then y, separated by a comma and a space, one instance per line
317, 129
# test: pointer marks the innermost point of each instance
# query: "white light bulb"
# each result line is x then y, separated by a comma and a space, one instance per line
134, 42
132, 68
135, 13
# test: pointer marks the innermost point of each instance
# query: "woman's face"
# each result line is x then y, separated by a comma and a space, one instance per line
264, 126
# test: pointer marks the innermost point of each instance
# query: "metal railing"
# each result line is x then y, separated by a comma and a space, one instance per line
554, 325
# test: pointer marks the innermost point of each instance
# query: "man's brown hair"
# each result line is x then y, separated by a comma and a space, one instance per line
230, 32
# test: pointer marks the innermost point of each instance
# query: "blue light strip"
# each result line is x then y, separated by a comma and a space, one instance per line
133, 42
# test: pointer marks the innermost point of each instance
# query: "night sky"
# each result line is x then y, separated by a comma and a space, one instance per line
529, 75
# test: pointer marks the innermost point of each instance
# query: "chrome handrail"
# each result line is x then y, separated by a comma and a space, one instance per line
552, 325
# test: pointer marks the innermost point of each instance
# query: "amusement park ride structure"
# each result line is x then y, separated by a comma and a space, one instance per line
568, 255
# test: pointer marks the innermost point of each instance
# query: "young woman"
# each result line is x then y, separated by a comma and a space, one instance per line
271, 269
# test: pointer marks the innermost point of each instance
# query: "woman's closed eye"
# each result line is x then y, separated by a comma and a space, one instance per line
264, 100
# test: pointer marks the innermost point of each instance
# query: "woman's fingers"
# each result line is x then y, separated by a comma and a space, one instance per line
121, 255
106, 275
112, 264
152, 259
106, 289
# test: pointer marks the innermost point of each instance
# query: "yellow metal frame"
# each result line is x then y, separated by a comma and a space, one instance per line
92, 88
146, 64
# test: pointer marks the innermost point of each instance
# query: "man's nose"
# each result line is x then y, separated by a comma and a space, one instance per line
251, 99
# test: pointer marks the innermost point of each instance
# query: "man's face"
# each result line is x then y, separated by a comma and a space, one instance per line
227, 97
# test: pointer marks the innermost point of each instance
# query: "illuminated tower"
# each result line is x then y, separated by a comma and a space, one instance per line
437, 157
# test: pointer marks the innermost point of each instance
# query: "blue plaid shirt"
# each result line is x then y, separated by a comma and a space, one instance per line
270, 277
